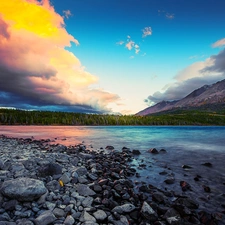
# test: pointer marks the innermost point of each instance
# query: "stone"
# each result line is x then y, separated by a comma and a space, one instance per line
10, 205
84, 190
24, 222
185, 186
109, 147
148, 212
50, 169
81, 171
85, 216
69, 220
65, 178
153, 151
47, 217
207, 164
126, 208
136, 152
53, 185
58, 212
87, 202
100, 215
23, 189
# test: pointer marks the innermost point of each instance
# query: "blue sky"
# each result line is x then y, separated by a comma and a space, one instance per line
137, 52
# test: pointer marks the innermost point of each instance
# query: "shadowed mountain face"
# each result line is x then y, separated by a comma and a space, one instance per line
208, 95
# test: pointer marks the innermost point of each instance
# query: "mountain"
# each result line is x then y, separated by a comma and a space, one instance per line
206, 97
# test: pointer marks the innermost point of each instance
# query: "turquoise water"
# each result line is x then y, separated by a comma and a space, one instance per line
185, 138
185, 145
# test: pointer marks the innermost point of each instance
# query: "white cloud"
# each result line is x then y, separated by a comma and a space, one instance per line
120, 42
67, 13
130, 45
147, 31
219, 43
170, 16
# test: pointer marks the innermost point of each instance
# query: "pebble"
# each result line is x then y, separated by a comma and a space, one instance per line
72, 185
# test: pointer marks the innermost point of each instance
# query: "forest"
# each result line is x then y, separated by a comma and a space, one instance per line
192, 117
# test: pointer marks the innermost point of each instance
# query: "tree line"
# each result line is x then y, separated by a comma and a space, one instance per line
23, 117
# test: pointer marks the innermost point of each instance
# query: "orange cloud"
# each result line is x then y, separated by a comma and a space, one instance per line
33, 57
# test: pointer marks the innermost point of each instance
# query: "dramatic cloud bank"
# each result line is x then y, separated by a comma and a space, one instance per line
194, 76
36, 70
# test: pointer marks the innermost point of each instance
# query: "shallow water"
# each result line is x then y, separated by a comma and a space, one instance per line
185, 145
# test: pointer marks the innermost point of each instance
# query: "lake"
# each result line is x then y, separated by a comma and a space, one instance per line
185, 145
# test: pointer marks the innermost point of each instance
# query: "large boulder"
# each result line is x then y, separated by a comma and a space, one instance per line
23, 189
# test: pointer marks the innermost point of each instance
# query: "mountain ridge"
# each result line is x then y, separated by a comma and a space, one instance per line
207, 95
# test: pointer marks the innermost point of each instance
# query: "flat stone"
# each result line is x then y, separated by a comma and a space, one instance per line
23, 189
81, 171
100, 215
85, 216
87, 202
69, 220
58, 212
124, 208
148, 212
45, 218
84, 190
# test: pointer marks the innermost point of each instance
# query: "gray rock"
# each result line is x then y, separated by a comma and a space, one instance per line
85, 216
45, 218
53, 185
7, 223
100, 215
23, 189
176, 220
69, 220
50, 169
81, 171
124, 208
65, 178
87, 202
148, 212
24, 222
84, 190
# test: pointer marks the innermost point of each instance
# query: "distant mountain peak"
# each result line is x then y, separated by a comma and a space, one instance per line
205, 95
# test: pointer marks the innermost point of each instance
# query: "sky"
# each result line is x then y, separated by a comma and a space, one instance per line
108, 56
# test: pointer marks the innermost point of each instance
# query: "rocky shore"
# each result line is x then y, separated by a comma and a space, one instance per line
44, 184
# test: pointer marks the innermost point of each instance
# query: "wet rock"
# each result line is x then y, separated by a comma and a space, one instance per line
186, 167
153, 151
206, 188
169, 180
162, 151
136, 152
24, 222
148, 212
185, 186
158, 197
189, 203
207, 164
23, 189
109, 147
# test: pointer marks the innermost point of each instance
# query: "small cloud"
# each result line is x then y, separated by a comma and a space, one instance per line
147, 31
130, 45
131, 57
144, 54
219, 43
169, 16
120, 42
128, 36
137, 50
67, 13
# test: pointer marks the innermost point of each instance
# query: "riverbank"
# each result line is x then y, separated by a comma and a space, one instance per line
43, 184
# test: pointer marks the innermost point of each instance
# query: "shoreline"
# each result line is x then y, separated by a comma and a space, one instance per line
110, 196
